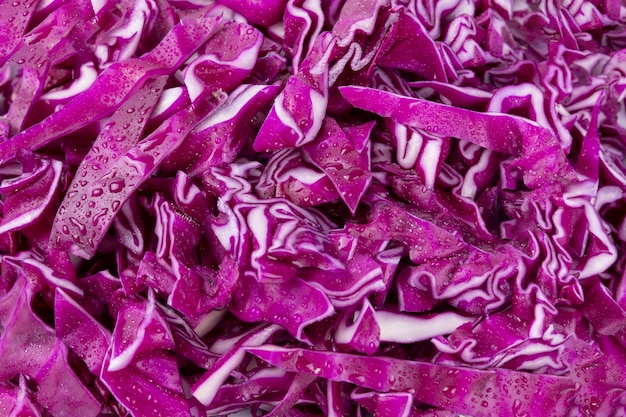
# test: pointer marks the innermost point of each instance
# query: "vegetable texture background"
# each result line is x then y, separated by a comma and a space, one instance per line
312, 208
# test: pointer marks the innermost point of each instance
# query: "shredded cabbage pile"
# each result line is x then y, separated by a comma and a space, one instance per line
392, 208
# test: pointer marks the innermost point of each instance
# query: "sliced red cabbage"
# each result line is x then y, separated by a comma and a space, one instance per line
304, 208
